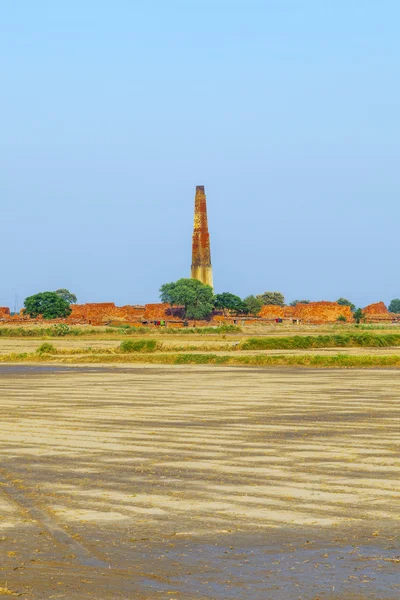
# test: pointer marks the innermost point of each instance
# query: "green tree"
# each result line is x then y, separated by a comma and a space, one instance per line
272, 298
394, 306
345, 302
196, 297
48, 304
359, 315
229, 301
295, 302
252, 305
67, 296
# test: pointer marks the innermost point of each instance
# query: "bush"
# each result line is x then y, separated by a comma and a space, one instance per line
46, 349
359, 315
138, 346
222, 329
60, 330
342, 318
320, 341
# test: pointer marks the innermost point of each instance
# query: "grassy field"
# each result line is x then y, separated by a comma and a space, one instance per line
349, 347
205, 483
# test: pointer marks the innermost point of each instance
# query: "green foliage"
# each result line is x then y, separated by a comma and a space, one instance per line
342, 319
47, 304
321, 341
61, 329
40, 332
252, 305
138, 346
359, 315
67, 296
394, 306
46, 349
229, 301
295, 302
272, 298
345, 302
222, 329
128, 329
256, 360
196, 297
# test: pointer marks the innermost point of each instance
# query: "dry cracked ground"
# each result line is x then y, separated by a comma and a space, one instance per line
199, 482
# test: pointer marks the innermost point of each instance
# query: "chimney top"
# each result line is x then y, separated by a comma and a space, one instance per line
199, 188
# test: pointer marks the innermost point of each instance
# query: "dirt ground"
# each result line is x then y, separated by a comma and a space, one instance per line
199, 483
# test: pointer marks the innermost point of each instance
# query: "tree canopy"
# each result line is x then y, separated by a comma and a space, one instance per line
252, 305
272, 298
48, 304
295, 302
394, 306
359, 315
196, 297
229, 301
67, 296
345, 302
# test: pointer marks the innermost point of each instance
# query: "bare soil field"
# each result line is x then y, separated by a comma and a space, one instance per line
199, 483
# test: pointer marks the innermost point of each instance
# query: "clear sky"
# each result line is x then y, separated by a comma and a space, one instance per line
287, 111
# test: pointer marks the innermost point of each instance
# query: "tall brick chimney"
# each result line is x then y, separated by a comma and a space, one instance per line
201, 255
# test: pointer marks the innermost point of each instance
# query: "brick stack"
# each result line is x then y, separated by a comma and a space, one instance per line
377, 312
271, 311
321, 312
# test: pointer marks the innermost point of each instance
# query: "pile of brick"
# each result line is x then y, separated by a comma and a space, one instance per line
105, 313
378, 312
378, 308
163, 312
101, 313
271, 311
321, 312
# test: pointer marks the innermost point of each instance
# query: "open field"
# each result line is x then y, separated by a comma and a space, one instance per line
354, 350
336, 347
199, 483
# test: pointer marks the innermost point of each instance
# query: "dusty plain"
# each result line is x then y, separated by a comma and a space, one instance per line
199, 482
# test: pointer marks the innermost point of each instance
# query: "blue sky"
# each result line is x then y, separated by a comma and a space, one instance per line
286, 110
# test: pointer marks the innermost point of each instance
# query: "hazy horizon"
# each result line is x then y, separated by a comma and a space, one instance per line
286, 111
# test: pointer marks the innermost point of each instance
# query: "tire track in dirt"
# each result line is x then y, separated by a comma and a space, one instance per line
28, 506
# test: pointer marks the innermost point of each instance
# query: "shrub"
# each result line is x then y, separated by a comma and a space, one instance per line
320, 341
46, 349
60, 330
359, 315
342, 318
201, 330
138, 346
